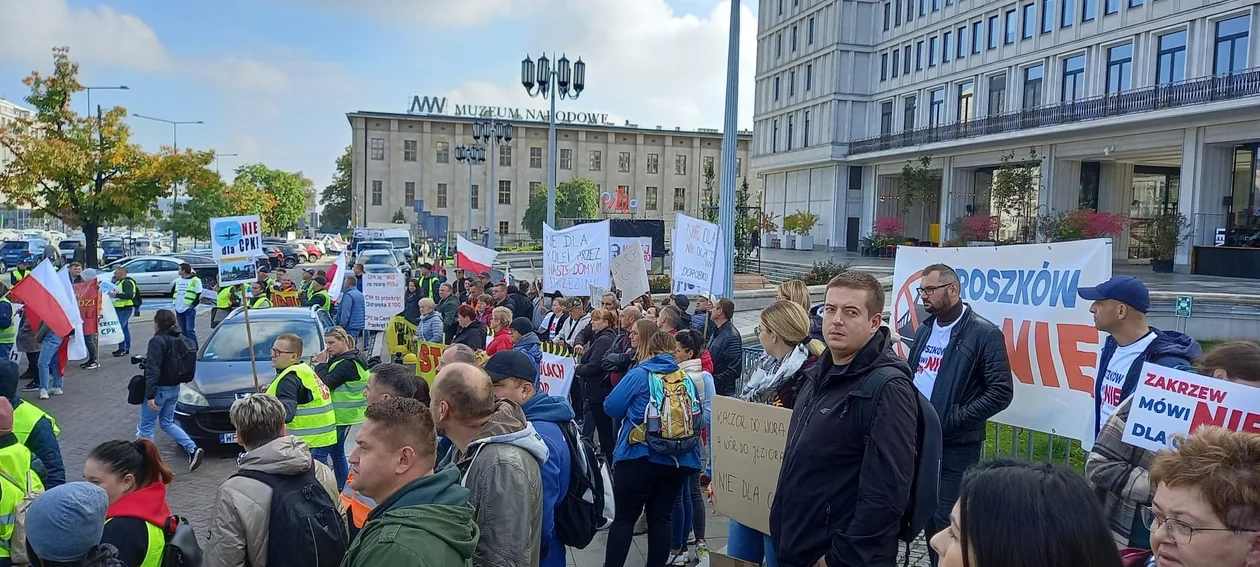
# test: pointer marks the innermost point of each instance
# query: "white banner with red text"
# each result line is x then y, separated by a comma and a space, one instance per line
1169, 403
555, 374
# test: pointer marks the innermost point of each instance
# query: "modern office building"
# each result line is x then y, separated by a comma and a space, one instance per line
1135, 107
12, 216
400, 159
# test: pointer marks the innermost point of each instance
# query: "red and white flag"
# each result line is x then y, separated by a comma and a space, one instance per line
473, 258
336, 276
49, 300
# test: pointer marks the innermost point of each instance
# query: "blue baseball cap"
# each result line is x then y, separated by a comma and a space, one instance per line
1125, 289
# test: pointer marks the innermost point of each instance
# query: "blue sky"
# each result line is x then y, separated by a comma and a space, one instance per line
273, 79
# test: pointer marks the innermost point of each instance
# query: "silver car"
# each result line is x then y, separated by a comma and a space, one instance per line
156, 275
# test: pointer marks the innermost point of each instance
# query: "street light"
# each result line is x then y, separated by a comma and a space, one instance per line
216, 160
568, 83
492, 132
175, 124
472, 155
89, 90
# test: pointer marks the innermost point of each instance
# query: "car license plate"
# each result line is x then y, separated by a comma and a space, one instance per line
227, 437
243, 395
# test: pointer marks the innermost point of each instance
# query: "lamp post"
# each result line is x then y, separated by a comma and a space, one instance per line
726, 206
88, 91
560, 82
216, 160
492, 132
472, 155
175, 124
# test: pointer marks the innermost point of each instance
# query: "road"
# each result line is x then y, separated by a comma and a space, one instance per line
94, 410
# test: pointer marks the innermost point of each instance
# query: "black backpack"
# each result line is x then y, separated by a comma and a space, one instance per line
925, 485
580, 514
313, 532
183, 359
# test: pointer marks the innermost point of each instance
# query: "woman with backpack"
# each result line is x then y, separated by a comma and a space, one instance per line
689, 514
658, 446
135, 478
167, 364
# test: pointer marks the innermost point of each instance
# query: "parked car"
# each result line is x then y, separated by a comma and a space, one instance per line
112, 250
404, 261
223, 371
373, 257
293, 254
274, 255
156, 275
30, 251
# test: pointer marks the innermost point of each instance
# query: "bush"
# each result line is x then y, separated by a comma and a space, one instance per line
660, 284
976, 228
531, 247
1079, 225
822, 272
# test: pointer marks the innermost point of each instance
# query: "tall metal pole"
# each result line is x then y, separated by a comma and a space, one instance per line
726, 207
551, 151
493, 193
471, 237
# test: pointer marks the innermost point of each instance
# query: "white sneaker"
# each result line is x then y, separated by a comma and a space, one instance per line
56, 391
43, 394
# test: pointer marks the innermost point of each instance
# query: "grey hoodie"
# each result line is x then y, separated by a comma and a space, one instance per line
241, 516
501, 469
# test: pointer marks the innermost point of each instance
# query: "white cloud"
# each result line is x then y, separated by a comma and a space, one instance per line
29, 29
436, 13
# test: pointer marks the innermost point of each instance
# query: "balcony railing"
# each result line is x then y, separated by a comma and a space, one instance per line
1173, 95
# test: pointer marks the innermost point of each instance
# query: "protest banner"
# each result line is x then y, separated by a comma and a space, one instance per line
14, 355
1029, 292
629, 273
617, 243
556, 373
383, 297
428, 357
748, 442
285, 299
576, 258
1169, 402
401, 336
108, 328
236, 237
695, 252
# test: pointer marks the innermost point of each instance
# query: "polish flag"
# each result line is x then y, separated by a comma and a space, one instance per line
49, 299
336, 276
474, 258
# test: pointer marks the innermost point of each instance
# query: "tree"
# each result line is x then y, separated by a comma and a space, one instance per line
335, 198
399, 216
287, 191
1015, 184
575, 199
711, 204
217, 199
919, 183
82, 170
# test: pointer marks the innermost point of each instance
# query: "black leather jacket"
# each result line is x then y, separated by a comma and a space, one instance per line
974, 382
727, 349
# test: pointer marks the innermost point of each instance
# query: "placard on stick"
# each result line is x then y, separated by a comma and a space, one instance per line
748, 445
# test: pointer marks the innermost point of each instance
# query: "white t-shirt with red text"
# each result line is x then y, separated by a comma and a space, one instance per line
933, 354
1114, 374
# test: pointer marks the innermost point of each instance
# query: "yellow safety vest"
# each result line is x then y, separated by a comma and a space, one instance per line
18, 275
260, 302
15, 461
8, 335
350, 399
324, 299
190, 297
122, 285
314, 421
156, 548
25, 416
224, 299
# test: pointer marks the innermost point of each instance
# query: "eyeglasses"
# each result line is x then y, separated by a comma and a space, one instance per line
277, 352
1179, 531
929, 290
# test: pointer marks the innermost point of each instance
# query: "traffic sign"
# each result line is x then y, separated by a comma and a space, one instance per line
1184, 305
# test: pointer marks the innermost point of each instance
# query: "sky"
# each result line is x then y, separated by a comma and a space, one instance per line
272, 80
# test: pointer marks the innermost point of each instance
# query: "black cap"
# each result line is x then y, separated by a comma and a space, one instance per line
522, 325
427, 266
321, 280
511, 364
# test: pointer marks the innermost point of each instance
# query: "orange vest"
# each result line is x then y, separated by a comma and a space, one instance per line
357, 505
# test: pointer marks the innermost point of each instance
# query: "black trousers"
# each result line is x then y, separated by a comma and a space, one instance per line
955, 460
602, 426
639, 484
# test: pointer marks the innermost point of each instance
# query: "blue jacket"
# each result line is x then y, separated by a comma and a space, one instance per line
430, 327
628, 402
43, 444
547, 414
1170, 348
530, 345
351, 314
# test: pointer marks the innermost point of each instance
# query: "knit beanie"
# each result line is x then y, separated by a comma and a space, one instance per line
64, 523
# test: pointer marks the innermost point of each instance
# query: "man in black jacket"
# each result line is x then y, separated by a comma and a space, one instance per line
726, 348
960, 364
844, 484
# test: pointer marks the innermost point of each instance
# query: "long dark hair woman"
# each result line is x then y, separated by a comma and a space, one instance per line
1019, 514
411, 305
135, 478
596, 381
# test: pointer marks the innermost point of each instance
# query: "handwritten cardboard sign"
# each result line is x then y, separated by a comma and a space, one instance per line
576, 258
616, 244
748, 446
695, 252
630, 273
383, 297
1171, 402
555, 374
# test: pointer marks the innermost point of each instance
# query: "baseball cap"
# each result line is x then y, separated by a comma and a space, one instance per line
511, 364
522, 325
1125, 289
573, 303
310, 271
427, 266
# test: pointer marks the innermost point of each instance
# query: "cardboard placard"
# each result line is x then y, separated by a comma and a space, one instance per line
748, 446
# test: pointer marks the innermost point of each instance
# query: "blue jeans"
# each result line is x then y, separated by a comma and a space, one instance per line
322, 454
124, 321
682, 516
340, 466
6, 351
50, 363
164, 417
751, 545
188, 322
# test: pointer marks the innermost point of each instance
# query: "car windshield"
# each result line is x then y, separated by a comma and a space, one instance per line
13, 245
375, 245
111, 244
229, 342
400, 242
378, 258
67, 244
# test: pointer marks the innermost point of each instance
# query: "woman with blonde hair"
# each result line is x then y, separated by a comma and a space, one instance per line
500, 321
344, 369
429, 325
797, 292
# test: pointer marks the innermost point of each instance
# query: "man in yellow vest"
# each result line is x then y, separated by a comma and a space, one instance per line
35, 429
318, 294
307, 401
126, 304
8, 324
19, 475
187, 296
222, 305
19, 273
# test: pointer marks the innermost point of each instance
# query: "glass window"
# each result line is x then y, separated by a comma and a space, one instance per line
566, 158
778, 45
794, 39
1171, 65
966, 100
774, 137
597, 160
1230, 55
505, 155
409, 192
896, 62
922, 7
905, 55
409, 150
907, 117
505, 192
936, 5
1135, 3
1073, 79
1047, 16
680, 198
792, 83
475, 198
887, 16
1119, 68
535, 157
1012, 27
909, 10
441, 195
977, 36
885, 118
1111, 6
1030, 20
994, 32
809, 77
776, 88
883, 66
378, 192
378, 148
230, 342
918, 56
962, 42
804, 144
1033, 77
809, 31
791, 132
947, 42
653, 194
936, 108
997, 94
443, 152
1089, 9
1069, 17
503, 228
680, 164
896, 14
932, 51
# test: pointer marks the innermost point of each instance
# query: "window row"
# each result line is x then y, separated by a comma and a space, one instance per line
651, 201
794, 37
789, 131
1067, 14
791, 82
595, 158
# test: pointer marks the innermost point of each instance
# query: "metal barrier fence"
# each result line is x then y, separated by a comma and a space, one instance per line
1002, 441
